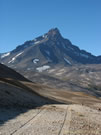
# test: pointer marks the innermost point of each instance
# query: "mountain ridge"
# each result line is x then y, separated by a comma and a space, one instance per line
50, 49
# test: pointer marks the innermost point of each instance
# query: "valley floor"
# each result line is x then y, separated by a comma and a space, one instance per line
51, 120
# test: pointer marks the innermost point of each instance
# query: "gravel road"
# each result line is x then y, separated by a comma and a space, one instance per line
52, 120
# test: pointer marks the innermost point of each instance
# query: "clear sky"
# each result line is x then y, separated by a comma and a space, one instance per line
77, 20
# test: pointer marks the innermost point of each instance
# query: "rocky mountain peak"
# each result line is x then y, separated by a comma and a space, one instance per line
46, 51
54, 33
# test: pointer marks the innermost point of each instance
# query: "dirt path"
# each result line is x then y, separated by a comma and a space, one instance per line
28, 123
48, 122
55, 120
66, 125
12, 125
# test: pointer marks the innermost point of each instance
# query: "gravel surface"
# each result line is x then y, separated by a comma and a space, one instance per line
52, 120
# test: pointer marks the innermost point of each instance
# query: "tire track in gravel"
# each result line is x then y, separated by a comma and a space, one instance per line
66, 123
22, 127
50, 122
63, 122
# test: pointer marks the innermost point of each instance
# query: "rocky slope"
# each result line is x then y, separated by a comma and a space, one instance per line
78, 78
47, 51
15, 90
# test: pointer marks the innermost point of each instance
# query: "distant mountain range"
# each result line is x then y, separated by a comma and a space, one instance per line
47, 51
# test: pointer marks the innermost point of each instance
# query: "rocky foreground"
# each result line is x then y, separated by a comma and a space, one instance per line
51, 120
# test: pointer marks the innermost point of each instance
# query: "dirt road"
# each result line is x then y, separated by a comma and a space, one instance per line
53, 120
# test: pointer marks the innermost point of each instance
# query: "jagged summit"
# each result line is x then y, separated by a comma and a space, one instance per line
46, 51
54, 32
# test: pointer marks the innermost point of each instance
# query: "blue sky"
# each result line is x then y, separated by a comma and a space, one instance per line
77, 20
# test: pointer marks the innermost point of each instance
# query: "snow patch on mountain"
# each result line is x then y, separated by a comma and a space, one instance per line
2, 63
35, 61
67, 61
37, 42
84, 55
45, 67
44, 36
14, 58
71, 48
5, 55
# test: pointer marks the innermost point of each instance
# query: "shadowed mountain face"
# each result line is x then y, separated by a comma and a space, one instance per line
47, 51
17, 91
6, 72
